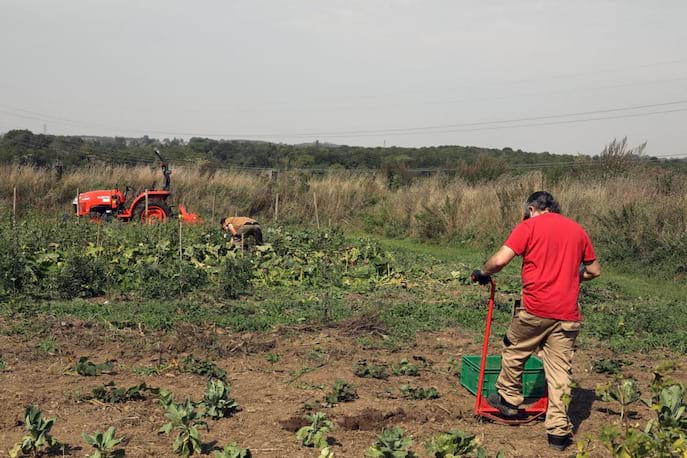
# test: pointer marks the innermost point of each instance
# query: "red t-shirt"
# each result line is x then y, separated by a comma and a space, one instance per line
552, 248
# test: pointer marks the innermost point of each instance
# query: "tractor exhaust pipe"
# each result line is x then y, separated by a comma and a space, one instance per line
166, 171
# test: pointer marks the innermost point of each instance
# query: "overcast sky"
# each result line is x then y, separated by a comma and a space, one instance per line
357, 72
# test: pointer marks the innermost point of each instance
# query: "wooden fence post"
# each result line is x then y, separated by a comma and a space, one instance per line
317, 216
14, 209
97, 238
276, 207
78, 205
214, 198
180, 246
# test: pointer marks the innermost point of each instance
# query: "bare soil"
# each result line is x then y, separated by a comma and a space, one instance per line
273, 395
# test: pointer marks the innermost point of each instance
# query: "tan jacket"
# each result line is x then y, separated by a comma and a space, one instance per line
238, 221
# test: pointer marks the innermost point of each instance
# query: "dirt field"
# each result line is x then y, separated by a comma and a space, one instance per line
272, 395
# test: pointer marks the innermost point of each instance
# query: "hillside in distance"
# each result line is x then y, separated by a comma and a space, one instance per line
27, 148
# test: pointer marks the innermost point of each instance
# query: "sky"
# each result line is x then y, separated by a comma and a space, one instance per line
557, 76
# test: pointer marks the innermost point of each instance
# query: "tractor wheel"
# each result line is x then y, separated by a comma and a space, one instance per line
158, 211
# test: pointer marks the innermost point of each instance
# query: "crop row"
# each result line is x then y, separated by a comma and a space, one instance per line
67, 259
186, 418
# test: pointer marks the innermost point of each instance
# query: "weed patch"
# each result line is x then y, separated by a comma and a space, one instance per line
90, 369
340, 392
366, 369
112, 394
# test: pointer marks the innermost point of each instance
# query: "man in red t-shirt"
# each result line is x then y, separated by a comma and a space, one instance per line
556, 255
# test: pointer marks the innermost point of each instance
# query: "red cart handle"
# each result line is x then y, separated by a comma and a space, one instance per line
485, 345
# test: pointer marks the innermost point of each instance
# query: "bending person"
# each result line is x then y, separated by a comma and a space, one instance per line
242, 228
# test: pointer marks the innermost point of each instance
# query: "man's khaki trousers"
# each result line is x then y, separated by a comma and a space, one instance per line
556, 339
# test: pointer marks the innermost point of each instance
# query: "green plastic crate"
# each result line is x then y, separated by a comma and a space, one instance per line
533, 379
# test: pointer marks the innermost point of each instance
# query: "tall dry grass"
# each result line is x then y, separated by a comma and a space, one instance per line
642, 213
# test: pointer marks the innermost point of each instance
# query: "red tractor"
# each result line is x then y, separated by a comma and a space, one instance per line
105, 204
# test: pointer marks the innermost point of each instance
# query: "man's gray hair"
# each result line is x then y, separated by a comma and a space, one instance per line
542, 200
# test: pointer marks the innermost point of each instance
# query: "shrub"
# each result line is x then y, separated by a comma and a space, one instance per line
236, 277
80, 276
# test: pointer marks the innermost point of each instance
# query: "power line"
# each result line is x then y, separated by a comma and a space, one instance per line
440, 128
570, 121
502, 121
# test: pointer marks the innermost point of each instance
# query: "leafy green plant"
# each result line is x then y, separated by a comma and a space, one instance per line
80, 275
111, 394
89, 369
216, 402
315, 434
39, 433
272, 357
404, 368
318, 355
392, 443
340, 392
608, 366
166, 397
49, 346
203, 367
104, 444
184, 418
298, 373
418, 393
310, 386
663, 436
152, 370
624, 391
370, 370
633, 443
237, 276
326, 453
455, 444
233, 451
14, 274
669, 405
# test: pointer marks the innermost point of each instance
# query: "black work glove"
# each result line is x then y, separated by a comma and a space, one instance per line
479, 277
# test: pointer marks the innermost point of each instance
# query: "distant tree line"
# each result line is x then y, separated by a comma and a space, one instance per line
471, 162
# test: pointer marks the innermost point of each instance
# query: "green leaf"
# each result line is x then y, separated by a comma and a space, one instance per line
166, 428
